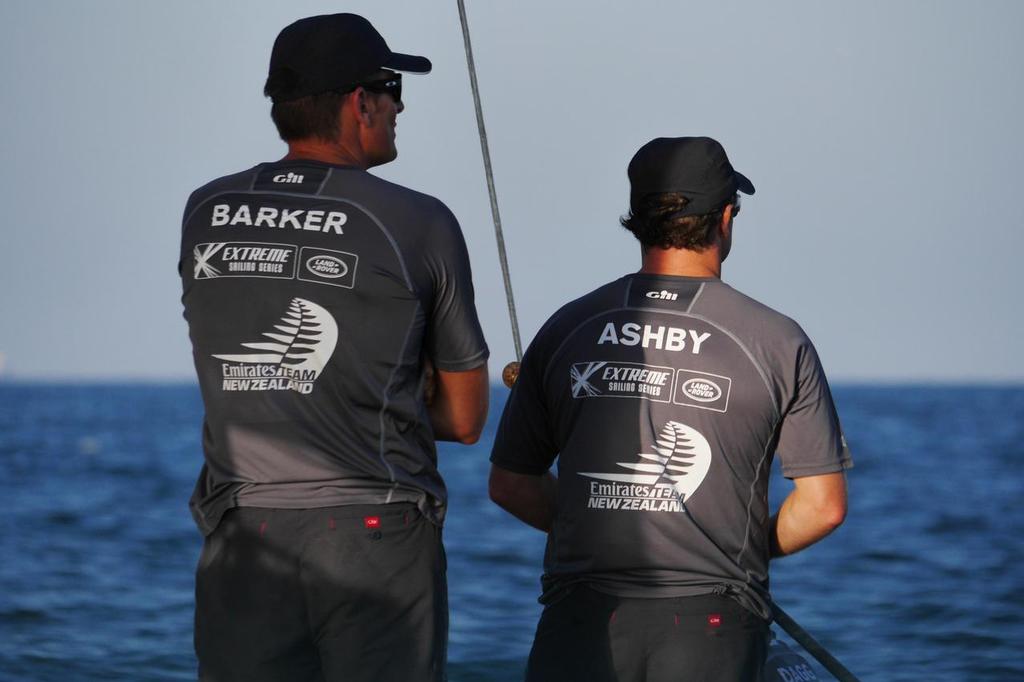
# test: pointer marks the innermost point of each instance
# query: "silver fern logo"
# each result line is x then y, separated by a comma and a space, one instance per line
663, 480
292, 358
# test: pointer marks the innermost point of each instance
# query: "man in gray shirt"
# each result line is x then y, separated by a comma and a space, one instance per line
664, 396
318, 298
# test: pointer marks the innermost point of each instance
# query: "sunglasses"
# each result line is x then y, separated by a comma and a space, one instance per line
392, 85
735, 205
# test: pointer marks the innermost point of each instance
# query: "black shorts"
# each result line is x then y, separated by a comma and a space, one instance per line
342, 593
596, 637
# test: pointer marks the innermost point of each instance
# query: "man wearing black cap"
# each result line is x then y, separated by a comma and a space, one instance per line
664, 396
323, 305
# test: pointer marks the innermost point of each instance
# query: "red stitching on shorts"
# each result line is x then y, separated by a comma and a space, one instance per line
263, 528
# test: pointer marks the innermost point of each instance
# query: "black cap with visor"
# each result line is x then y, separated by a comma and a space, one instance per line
695, 167
331, 52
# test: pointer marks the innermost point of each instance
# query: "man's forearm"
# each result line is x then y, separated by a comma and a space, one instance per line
531, 499
443, 423
457, 403
811, 511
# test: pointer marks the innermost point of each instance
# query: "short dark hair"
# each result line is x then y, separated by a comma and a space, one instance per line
656, 222
309, 116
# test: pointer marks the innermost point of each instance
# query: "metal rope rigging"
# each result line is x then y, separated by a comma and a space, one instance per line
502, 256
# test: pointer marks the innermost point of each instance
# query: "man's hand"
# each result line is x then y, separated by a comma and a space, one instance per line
815, 508
457, 403
531, 499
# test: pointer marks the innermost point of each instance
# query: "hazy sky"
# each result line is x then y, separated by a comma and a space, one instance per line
885, 140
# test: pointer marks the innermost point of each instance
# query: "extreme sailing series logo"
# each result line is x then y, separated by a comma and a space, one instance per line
293, 356
663, 480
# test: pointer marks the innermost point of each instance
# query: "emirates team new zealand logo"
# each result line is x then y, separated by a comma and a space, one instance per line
663, 480
293, 356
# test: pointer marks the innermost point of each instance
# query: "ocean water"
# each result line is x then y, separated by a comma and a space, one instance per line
925, 581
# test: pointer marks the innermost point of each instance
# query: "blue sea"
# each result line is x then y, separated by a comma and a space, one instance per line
925, 581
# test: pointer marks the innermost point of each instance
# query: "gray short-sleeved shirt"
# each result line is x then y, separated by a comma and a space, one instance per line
312, 293
664, 400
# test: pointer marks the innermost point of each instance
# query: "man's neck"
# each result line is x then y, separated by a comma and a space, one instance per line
682, 262
336, 153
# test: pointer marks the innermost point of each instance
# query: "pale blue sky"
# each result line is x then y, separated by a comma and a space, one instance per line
884, 139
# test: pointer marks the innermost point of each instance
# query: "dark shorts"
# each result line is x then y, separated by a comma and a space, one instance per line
597, 637
341, 593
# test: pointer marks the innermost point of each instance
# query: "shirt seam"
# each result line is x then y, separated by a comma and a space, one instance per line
515, 467
480, 355
700, 290
385, 402
255, 178
753, 492
323, 183
842, 464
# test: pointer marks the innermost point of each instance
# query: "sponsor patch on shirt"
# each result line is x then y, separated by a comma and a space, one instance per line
327, 266
703, 390
289, 356
604, 379
667, 294
297, 179
243, 259
660, 479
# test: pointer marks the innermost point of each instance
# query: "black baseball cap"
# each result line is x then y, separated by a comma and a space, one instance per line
330, 52
696, 167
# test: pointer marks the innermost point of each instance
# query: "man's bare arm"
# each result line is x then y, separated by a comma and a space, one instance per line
531, 499
458, 404
815, 507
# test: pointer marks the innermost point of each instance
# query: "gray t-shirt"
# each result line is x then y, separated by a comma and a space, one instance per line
664, 400
312, 294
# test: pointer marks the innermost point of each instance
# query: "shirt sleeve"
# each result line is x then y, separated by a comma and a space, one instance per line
455, 342
185, 253
811, 441
524, 443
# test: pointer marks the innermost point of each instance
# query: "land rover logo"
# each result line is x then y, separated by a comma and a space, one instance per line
702, 390
327, 266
